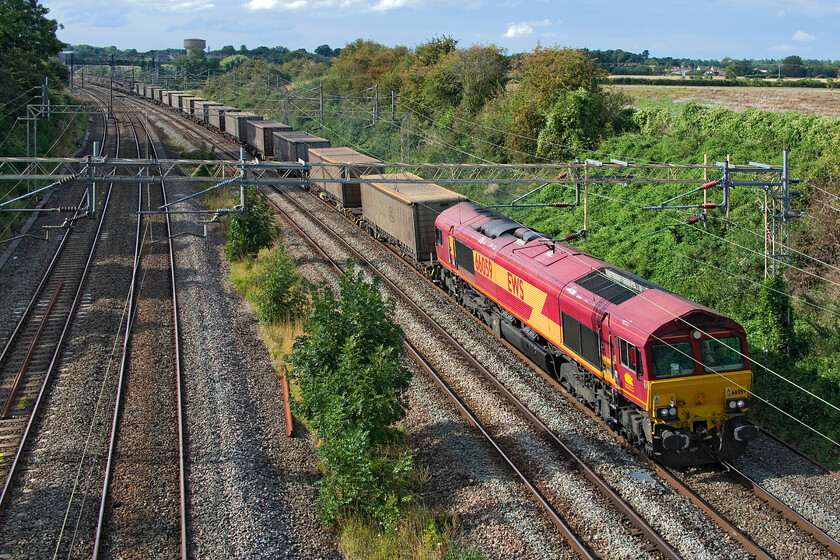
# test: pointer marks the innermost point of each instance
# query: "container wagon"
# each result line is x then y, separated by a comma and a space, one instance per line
259, 135
295, 145
328, 178
401, 208
235, 124
201, 110
216, 116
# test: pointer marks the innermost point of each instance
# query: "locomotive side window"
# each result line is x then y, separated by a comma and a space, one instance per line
675, 359
722, 354
628, 356
464, 257
438, 237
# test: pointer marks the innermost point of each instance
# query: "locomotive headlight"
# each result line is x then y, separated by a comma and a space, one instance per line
667, 413
737, 404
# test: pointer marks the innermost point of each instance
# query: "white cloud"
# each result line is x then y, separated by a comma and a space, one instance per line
524, 28
802, 36
519, 29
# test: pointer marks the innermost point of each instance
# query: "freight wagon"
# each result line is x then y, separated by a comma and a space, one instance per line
328, 178
216, 116
259, 136
401, 208
295, 145
236, 124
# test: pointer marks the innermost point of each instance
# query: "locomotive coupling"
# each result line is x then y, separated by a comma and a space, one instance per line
674, 441
745, 433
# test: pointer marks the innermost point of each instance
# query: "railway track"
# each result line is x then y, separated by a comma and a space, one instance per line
507, 452
32, 353
143, 503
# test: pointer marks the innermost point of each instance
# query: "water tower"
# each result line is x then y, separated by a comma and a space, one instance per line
190, 44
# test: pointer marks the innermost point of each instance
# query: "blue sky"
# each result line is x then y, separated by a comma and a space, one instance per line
707, 29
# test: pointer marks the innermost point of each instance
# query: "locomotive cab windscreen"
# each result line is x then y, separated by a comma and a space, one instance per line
697, 355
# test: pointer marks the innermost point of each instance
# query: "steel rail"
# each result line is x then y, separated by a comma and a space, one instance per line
183, 534
10, 399
182, 484
36, 407
788, 512
120, 380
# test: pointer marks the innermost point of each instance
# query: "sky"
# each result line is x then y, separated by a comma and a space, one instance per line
699, 29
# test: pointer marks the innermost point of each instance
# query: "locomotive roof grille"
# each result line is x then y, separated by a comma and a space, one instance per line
613, 285
500, 226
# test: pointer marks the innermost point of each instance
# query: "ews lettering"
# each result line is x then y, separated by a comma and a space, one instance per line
516, 286
483, 266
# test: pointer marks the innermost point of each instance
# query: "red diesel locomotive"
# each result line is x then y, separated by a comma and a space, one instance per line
668, 374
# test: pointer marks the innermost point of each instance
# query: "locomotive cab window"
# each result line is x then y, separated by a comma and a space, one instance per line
438, 237
722, 354
628, 356
674, 359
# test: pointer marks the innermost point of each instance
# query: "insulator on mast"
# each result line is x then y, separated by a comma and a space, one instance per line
710, 184
707, 205
560, 204
581, 234
562, 175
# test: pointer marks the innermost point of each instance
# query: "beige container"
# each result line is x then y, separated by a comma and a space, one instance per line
329, 177
405, 207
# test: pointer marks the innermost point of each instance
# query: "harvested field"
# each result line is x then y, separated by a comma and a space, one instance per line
801, 100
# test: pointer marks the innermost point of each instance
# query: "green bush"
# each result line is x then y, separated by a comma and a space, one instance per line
250, 232
282, 293
349, 367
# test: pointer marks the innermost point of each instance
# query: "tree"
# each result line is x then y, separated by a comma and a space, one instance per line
28, 45
482, 73
793, 67
231, 62
227, 50
546, 77
324, 50
195, 61
430, 52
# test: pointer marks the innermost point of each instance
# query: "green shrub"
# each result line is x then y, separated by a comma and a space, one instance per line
282, 294
250, 232
349, 367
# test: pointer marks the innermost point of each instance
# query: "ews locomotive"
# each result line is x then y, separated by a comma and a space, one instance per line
668, 374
